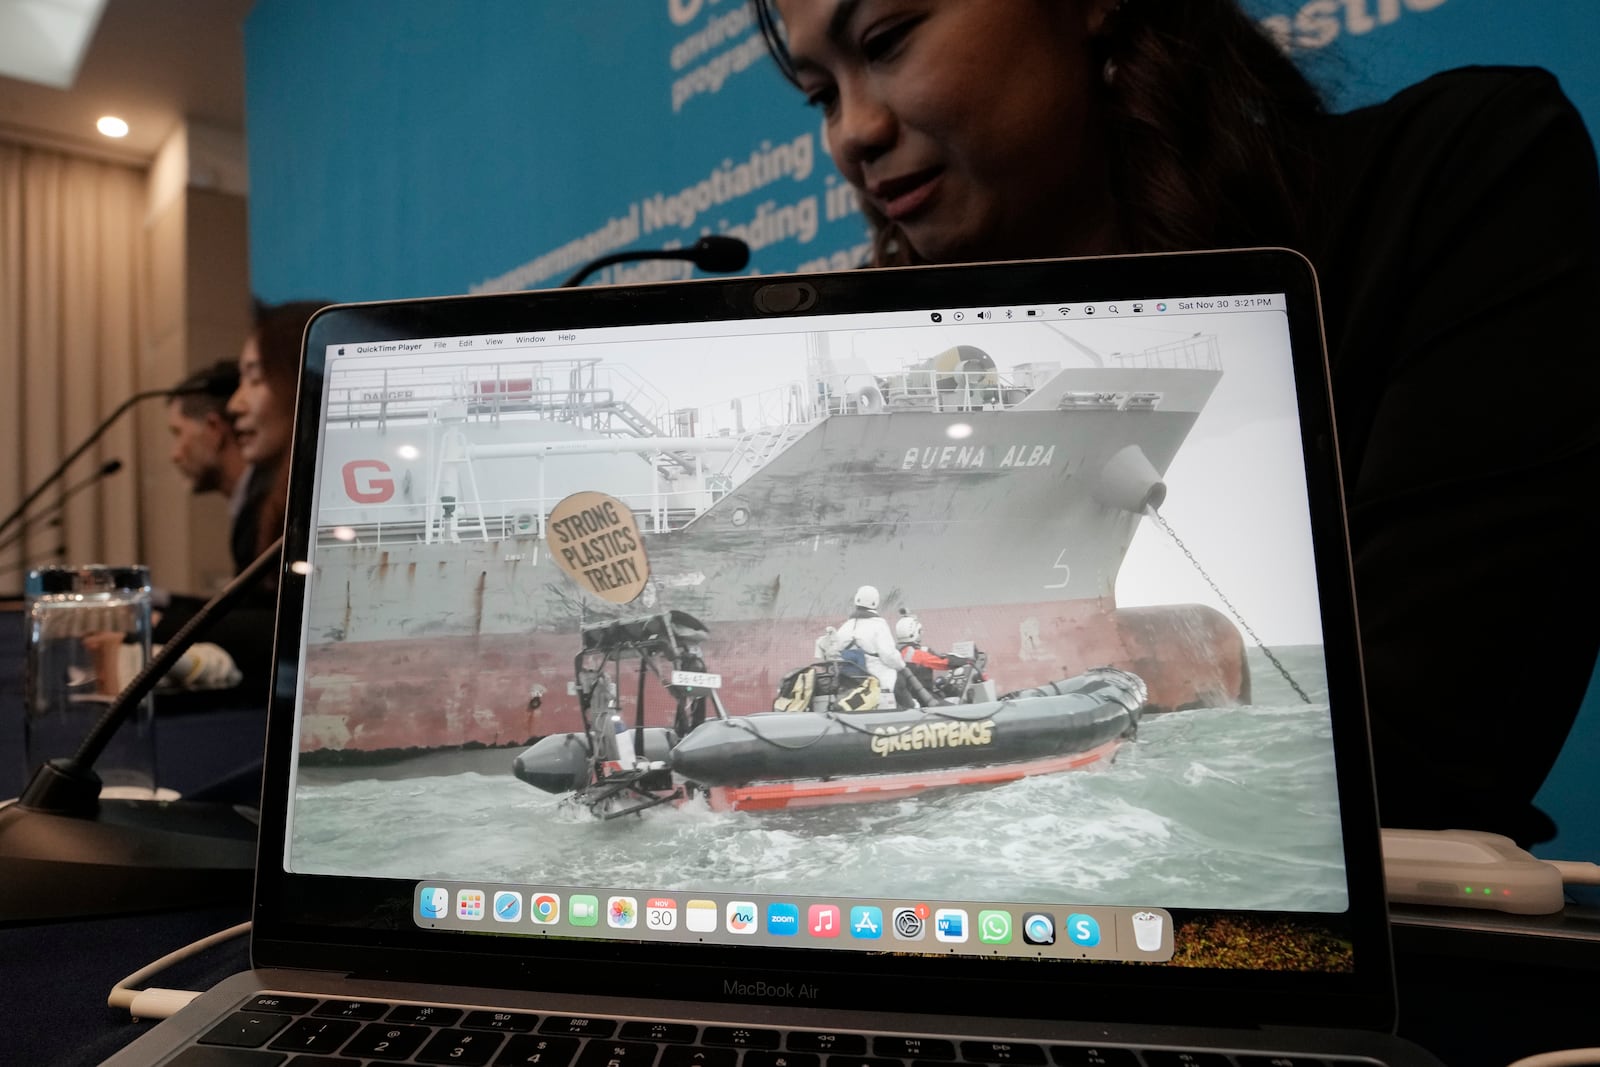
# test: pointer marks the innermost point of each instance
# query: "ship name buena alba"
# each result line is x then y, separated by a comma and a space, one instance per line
971, 457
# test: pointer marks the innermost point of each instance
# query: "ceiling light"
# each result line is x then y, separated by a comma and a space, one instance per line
43, 41
112, 126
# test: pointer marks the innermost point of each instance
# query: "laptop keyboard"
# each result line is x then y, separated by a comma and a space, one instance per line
285, 1031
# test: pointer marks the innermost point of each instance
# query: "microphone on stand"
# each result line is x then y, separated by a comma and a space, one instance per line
67, 852
713, 253
108, 468
88, 442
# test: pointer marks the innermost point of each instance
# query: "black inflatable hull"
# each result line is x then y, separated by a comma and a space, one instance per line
783, 746
775, 760
560, 763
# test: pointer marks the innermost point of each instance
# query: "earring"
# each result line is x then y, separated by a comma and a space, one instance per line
1109, 33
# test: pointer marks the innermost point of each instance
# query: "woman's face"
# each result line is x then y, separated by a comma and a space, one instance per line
261, 422
967, 122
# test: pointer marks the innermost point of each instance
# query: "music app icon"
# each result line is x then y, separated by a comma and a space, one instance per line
823, 920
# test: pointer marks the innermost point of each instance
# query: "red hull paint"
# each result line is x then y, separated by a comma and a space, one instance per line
445, 692
779, 796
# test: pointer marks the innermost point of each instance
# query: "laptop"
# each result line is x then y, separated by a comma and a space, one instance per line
946, 665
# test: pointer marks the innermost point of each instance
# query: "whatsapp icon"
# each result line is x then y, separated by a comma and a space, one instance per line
994, 927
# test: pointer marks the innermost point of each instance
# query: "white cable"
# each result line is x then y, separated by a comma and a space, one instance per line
1564, 1058
1577, 873
160, 1003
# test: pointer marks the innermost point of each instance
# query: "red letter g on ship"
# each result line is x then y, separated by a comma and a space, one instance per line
369, 490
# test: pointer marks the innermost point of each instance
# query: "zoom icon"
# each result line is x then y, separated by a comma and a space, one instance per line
1038, 928
908, 925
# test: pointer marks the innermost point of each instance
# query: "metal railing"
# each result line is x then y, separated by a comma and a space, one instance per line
1199, 352
494, 520
584, 392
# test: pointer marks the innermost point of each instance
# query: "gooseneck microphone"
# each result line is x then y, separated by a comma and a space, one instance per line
713, 253
88, 442
171, 652
107, 469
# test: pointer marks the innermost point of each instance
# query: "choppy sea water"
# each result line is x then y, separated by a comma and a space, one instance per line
1213, 808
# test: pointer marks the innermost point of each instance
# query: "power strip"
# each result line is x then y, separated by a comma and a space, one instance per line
1468, 869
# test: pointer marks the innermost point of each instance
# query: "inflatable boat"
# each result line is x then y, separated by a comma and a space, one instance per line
773, 760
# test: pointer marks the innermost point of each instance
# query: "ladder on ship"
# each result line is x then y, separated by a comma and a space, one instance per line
641, 425
759, 447
446, 501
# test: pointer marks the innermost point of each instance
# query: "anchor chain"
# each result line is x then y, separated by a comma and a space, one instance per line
1170, 532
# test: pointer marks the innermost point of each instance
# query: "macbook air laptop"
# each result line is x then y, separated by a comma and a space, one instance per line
925, 666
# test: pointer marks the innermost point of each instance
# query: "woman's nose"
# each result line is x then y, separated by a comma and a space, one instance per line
864, 126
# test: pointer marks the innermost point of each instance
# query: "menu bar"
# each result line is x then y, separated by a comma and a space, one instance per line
1129, 310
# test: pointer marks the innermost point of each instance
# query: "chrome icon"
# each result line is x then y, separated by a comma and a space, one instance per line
545, 908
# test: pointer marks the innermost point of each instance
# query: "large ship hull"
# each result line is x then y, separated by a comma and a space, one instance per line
1003, 528
394, 697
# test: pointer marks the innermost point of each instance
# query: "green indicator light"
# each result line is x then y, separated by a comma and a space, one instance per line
1488, 892
1468, 889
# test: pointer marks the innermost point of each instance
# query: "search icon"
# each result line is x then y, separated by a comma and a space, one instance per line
1112, 309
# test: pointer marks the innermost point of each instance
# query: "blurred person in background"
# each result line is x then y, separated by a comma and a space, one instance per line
205, 450
262, 408
258, 415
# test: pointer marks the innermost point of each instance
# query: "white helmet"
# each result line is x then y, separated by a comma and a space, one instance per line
908, 629
867, 597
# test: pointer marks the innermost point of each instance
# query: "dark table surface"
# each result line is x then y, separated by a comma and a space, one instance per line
55, 976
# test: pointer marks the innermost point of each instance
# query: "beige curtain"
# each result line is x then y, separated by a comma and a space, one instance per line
71, 280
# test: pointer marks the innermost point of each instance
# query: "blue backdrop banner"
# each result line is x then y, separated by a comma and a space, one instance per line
407, 147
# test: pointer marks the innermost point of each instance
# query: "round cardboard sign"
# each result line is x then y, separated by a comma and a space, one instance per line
594, 538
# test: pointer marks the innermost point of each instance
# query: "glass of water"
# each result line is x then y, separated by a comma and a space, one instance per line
88, 631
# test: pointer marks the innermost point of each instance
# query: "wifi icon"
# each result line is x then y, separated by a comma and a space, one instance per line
1063, 311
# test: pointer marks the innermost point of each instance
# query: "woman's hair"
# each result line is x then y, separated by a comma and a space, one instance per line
279, 330
1205, 122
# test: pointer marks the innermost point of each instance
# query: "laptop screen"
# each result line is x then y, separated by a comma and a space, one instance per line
990, 628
